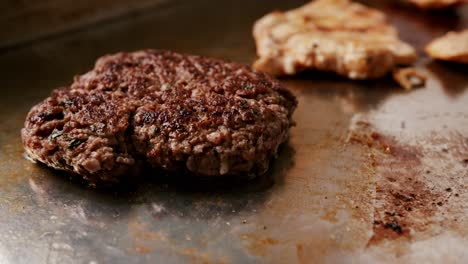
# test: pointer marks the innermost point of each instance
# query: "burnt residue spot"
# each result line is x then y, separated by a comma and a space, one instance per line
388, 230
385, 144
402, 204
402, 199
394, 226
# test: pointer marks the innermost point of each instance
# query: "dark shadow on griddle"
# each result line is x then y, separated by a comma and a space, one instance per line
244, 184
416, 13
354, 96
435, 19
203, 198
452, 76
178, 194
417, 26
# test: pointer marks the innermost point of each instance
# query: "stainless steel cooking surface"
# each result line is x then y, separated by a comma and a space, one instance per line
370, 173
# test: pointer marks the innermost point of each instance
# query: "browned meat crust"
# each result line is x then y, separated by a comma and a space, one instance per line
176, 112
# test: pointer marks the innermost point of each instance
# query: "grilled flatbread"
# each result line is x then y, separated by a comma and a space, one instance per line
453, 46
330, 35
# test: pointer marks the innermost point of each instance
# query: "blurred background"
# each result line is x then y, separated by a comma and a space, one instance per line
24, 21
319, 201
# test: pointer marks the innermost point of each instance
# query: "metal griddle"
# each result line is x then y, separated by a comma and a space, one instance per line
361, 154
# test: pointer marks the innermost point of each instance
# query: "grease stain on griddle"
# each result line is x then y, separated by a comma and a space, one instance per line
330, 215
259, 245
300, 253
9, 154
403, 200
147, 241
142, 249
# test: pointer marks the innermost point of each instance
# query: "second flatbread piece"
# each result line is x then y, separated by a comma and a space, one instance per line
330, 35
453, 46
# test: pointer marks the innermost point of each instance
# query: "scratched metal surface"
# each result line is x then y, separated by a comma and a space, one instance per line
370, 173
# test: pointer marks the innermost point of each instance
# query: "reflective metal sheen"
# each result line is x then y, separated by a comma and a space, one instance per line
370, 173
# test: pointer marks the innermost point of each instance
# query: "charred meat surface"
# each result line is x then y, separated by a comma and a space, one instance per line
176, 112
330, 35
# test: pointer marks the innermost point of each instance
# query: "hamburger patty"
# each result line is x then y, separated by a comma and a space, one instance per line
176, 112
